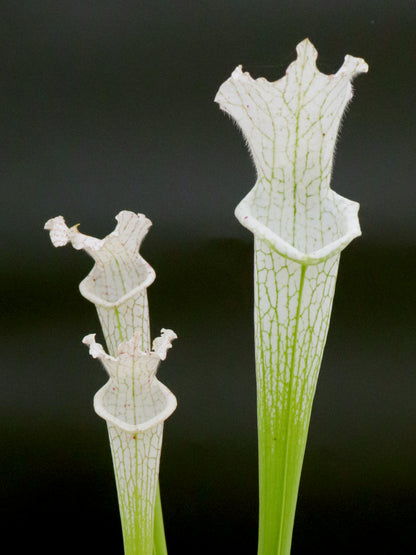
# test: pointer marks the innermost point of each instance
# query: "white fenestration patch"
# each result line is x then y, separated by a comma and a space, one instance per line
291, 126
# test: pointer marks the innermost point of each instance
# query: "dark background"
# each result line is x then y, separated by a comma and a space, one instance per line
108, 105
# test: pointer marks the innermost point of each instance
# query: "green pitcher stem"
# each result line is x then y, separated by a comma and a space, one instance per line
280, 466
282, 439
159, 545
292, 313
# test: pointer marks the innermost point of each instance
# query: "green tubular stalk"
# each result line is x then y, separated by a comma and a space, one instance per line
288, 357
300, 226
136, 484
159, 540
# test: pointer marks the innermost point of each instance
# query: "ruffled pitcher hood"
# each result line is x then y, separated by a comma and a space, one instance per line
291, 127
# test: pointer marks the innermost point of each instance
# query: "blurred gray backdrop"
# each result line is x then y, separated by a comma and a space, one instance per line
108, 105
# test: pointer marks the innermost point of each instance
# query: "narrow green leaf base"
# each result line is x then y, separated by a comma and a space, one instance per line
292, 310
159, 545
136, 467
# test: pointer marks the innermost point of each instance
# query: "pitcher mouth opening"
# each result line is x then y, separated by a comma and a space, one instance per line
331, 240
165, 407
89, 289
